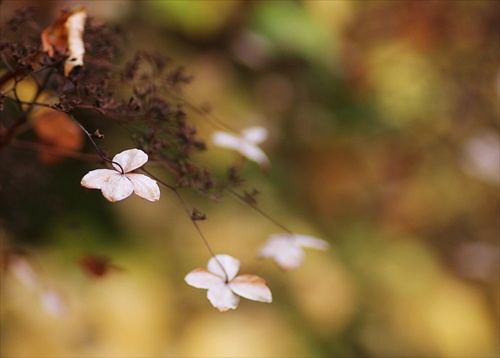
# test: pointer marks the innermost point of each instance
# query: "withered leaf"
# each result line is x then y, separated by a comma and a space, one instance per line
65, 36
57, 130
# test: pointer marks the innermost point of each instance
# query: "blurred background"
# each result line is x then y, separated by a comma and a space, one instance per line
384, 141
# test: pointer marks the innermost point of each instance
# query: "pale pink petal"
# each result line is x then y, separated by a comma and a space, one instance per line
52, 302
24, 272
251, 287
245, 147
481, 156
117, 187
254, 134
276, 244
202, 278
230, 266
254, 153
96, 178
289, 259
283, 250
226, 140
222, 297
130, 159
311, 242
144, 186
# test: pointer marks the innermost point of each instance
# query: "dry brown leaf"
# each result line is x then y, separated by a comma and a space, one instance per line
96, 265
75, 26
65, 36
55, 37
55, 129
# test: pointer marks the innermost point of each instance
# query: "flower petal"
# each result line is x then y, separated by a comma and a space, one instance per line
276, 244
96, 178
251, 287
245, 146
117, 187
23, 271
130, 159
222, 297
202, 278
230, 266
52, 302
290, 259
311, 242
226, 140
254, 153
284, 251
254, 134
144, 186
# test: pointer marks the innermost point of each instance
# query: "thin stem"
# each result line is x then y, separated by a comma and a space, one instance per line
260, 211
42, 86
19, 71
7, 76
66, 153
11, 132
193, 221
95, 144
200, 111
6, 137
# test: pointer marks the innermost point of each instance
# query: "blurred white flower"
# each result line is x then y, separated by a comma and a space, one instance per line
286, 249
117, 185
245, 143
52, 302
23, 271
223, 285
478, 260
481, 156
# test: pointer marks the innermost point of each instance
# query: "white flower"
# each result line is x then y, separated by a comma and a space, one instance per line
223, 285
245, 144
286, 249
52, 302
23, 271
481, 156
116, 185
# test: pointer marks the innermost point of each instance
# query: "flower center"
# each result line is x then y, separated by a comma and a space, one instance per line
119, 165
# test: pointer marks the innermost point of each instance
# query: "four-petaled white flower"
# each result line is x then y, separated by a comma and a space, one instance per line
223, 285
245, 144
286, 249
117, 184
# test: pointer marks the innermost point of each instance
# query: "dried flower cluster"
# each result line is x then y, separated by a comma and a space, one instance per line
71, 65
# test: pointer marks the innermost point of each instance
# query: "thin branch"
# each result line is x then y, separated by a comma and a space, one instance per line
215, 120
193, 221
66, 153
23, 118
259, 210
103, 157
